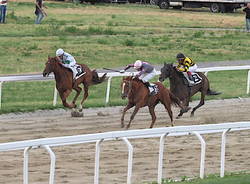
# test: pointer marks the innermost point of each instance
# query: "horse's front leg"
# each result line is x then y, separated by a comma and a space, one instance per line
129, 105
78, 91
85, 96
186, 108
137, 107
64, 96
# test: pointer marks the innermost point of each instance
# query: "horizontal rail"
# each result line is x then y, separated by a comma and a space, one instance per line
131, 134
113, 74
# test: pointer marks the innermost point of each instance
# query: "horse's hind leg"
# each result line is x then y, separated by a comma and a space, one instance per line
133, 115
124, 111
200, 104
152, 113
170, 113
85, 96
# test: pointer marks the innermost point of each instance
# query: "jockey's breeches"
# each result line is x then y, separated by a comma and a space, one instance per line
147, 76
192, 68
71, 66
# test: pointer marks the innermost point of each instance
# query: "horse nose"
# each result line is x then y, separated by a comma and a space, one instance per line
45, 74
123, 96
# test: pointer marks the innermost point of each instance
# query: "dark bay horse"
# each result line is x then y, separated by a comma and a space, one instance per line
182, 90
64, 80
138, 96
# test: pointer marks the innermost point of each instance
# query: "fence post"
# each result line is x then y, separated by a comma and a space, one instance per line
248, 81
1, 83
203, 152
130, 160
223, 148
108, 90
160, 161
55, 97
52, 164
97, 161
26, 165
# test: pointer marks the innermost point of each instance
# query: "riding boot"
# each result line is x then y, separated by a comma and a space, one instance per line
189, 79
151, 88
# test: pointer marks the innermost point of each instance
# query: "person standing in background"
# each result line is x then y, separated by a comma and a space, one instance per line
3, 8
247, 11
40, 13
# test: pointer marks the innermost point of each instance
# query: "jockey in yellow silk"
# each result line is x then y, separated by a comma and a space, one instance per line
187, 66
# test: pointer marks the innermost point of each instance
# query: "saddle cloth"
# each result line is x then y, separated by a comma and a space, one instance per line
155, 89
80, 71
197, 78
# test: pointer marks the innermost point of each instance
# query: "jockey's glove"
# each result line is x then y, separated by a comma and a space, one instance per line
122, 71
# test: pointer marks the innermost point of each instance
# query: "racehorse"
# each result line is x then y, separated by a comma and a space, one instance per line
138, 96
65, 83
179, 87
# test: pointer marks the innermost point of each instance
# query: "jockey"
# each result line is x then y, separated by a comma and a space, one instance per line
67, 61
146, 72
187, 66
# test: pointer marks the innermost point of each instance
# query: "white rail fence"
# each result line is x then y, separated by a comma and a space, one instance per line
162, 133
110, 75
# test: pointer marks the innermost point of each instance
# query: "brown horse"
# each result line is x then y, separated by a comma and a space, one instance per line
138, 96
65, 83
179, 87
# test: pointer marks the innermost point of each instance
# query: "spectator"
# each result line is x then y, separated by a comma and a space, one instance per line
40, 13
247, 11
3, 8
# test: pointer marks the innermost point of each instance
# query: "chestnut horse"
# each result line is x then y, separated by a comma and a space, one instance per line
138, 96
64, 80
179, 86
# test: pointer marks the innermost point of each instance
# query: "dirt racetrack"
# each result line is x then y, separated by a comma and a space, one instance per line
75, 163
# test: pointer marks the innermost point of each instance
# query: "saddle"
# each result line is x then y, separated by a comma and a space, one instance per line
153, 88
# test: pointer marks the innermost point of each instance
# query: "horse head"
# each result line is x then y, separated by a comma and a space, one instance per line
50, 66
126, 86
166, 71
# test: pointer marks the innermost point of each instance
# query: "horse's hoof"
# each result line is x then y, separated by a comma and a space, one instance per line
178, 117
192, 115
122, 126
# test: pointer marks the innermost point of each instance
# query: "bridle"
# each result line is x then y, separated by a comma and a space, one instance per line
129, 82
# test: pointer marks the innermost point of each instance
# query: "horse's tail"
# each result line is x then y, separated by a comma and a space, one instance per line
96, 79
211, 92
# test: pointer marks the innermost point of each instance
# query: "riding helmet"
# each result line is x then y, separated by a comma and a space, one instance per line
137, 64
59, 52
180, 56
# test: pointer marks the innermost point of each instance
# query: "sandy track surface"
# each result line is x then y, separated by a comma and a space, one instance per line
75, 164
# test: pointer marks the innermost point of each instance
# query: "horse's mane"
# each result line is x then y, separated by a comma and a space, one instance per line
132, 78
172, 67
54, 59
